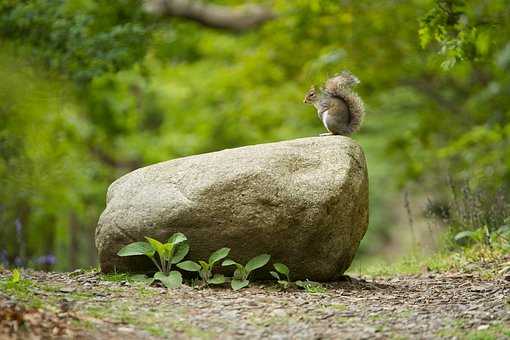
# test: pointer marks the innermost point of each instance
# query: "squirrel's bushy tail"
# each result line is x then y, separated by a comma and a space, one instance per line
356, 109
340, 86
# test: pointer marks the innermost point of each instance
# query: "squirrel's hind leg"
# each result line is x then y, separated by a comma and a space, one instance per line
326, 134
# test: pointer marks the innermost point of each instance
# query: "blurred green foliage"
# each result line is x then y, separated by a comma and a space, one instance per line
472, 140
81, 38
93, 89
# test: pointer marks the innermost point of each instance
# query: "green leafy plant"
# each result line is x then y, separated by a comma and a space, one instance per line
467, 237
204, 268
169, 253
241, 273
141, 278
16, 282
311, 286
284, 280
282, 275
15, 277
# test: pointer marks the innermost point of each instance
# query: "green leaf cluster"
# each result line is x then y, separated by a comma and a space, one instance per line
176, 249
80, 38
204, 268
282, 276
242, 273
169, 253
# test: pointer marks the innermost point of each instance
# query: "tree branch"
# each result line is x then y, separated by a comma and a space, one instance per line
216, 16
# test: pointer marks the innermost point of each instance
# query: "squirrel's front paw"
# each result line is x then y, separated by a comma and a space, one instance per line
326, 134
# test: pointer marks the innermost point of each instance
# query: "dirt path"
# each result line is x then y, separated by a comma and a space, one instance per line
81, 305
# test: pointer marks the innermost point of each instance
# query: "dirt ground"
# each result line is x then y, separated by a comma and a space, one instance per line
84, 305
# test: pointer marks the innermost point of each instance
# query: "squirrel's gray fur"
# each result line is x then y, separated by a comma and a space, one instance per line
340, 109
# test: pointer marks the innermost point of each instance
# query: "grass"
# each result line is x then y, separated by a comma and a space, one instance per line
127, 310
163, 319
486, 260
37, 295
21, 291
494, 331
115, 277
338, 307
316, 289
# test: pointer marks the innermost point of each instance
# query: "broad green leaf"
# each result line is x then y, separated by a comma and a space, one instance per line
281, 268
177, 238
161, 277
142, 278
159, 274
275, 275
137, 248
204, 264
218, 255
158, 246
169, 251
189, 266
238, 284
464, 237
181, 251
175, 278
217, 279
257, 262
229, 262
172, 280
137, 277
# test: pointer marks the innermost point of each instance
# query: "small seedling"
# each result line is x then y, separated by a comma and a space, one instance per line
171, 252
16, 282
204, 268
282, 275
311, 286
15, 277
284, 271
240, 278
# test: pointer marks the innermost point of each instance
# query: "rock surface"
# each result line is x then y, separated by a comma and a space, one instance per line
303, 201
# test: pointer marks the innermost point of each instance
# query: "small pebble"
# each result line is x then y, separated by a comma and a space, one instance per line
67, 289
125, 330
279, 313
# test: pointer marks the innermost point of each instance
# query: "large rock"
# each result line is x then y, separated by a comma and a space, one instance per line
303, 201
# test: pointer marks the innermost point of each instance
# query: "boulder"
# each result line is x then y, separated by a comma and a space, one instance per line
303, 201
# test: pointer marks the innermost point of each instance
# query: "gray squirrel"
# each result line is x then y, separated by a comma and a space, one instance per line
339, 108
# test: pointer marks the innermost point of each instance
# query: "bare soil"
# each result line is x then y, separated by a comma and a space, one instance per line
83, 305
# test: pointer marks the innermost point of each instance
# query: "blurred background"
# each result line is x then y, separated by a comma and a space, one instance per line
92, 89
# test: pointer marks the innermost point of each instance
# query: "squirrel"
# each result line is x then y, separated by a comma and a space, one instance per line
340, 109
